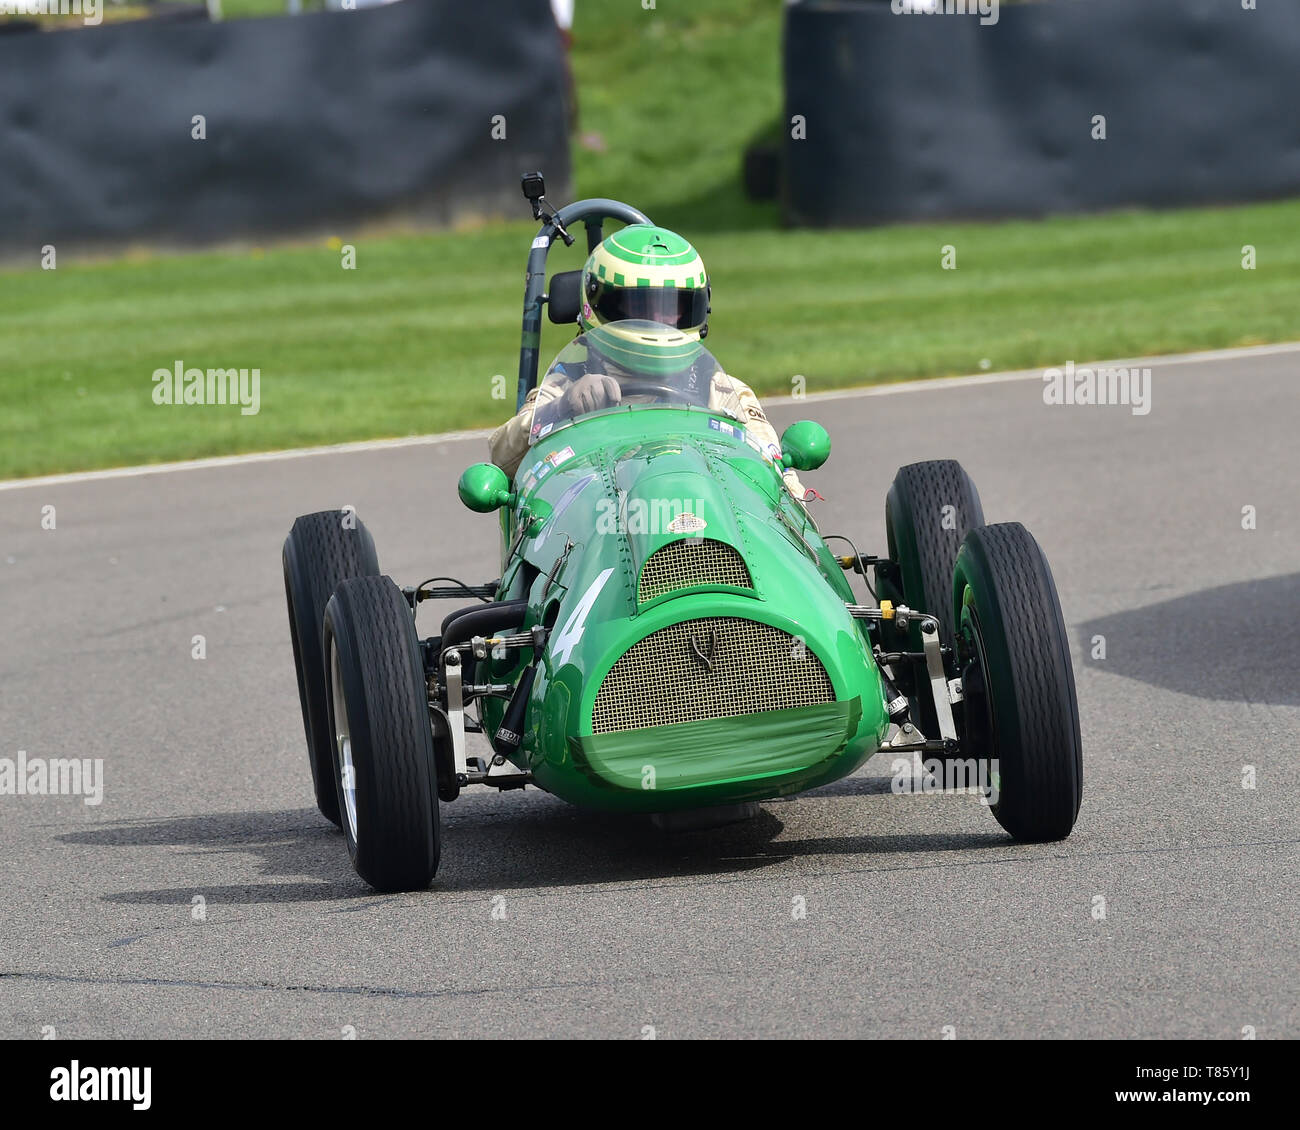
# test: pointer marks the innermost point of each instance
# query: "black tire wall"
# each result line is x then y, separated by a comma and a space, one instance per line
311, 121
916, 117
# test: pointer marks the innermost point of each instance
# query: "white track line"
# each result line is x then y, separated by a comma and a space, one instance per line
935, 383
931, 385
233, 460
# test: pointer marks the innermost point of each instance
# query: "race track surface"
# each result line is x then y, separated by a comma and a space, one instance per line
920, 913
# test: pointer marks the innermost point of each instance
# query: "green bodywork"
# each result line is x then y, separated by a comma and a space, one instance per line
593, 501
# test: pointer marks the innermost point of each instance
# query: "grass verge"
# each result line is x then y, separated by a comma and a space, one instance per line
415, 339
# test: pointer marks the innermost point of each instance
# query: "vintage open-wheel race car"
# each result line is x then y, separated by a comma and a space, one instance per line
670, 632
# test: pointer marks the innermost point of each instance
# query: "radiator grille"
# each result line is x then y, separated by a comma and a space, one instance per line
692, 561
665, 678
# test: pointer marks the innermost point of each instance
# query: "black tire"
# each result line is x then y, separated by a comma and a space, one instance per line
1020, 703
319, 554
924, 536
379, 699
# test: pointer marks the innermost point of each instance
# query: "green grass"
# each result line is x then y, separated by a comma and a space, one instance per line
411, 340
675, 93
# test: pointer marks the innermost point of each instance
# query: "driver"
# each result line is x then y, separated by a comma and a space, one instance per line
649, 274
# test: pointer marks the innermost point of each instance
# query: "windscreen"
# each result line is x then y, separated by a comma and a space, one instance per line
629, 363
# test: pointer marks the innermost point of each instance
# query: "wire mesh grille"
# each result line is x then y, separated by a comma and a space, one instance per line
692, 561
717, 667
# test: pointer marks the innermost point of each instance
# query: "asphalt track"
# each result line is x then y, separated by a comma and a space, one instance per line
920, 914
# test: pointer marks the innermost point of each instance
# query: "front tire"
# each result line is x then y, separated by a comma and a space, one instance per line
320, 553
1021, 713
384, 765
930, 508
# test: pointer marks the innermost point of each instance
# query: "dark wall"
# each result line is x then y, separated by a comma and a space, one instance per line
312, 121
936, 116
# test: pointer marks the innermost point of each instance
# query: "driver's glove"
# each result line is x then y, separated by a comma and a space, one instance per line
592, 392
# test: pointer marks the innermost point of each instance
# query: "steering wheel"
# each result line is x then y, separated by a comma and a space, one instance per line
638, 386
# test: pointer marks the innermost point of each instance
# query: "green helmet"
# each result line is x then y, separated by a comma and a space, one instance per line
649, 274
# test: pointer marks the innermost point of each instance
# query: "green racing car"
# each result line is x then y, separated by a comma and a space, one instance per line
670, 632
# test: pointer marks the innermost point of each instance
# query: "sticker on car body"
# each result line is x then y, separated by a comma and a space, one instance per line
687, 523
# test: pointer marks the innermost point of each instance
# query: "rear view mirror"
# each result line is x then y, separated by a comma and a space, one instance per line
564, 297
805, 446
484, 488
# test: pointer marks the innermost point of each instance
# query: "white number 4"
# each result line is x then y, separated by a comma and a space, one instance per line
562, 645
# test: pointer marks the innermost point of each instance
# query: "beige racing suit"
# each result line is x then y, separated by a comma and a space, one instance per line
727, 396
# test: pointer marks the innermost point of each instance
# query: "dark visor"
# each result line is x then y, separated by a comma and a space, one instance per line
668, 305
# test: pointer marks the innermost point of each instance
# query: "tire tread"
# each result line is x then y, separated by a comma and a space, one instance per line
1037, 723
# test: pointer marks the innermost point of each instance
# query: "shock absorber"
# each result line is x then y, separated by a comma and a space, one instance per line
896, 702
510, 733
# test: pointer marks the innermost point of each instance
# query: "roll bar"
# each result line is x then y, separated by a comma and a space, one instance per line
591, 213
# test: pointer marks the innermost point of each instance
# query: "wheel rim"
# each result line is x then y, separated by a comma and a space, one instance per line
343, 743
